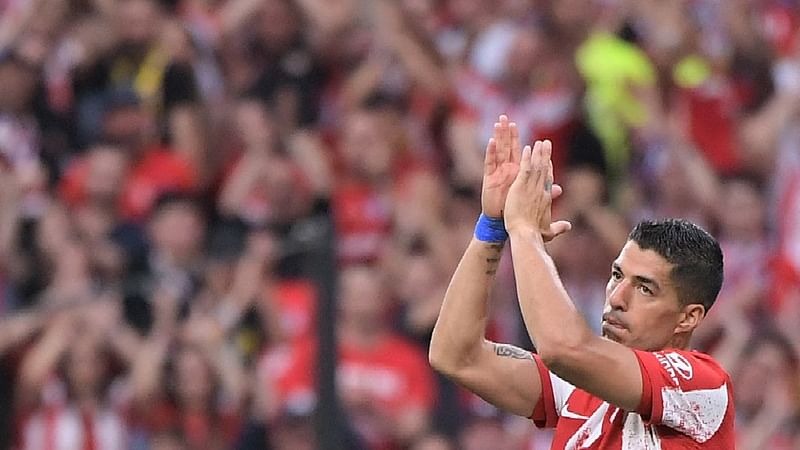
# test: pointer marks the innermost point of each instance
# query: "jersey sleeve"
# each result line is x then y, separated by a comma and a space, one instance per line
686, 391
555, 393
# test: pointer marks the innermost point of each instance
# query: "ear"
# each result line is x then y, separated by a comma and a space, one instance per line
691, 316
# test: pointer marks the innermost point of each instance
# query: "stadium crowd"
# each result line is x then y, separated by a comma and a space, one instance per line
168, 171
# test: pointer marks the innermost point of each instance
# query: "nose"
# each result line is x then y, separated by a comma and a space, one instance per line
618, 295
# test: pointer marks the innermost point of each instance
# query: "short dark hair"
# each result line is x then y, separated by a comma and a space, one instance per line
695, 255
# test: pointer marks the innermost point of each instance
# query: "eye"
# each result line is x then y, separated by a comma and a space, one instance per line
616, 275
645, 290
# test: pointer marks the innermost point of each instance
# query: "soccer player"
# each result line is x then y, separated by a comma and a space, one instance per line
636, 387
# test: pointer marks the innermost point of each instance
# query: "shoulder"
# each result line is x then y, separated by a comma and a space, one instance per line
687, 391
684, 369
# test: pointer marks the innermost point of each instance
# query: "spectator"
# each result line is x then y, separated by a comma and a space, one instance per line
388, 399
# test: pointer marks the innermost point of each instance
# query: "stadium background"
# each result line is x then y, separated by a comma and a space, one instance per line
205, 203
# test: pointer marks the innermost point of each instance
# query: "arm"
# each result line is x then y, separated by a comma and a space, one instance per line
186, 126
245, 177
565, 343
395, 31
9, 215
147, 370
461, 139
18, 328
228, 366
43, 358
502, 374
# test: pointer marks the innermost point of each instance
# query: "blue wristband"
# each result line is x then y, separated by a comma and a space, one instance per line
489, 229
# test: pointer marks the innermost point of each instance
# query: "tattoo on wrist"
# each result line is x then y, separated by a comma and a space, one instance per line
510, 351
494, 259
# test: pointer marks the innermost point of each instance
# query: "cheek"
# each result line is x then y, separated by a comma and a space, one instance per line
650, 321
660, 323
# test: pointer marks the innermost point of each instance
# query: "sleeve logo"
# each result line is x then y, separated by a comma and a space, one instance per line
676, 365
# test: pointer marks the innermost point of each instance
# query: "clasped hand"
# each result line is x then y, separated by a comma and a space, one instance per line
531, 194
518, 185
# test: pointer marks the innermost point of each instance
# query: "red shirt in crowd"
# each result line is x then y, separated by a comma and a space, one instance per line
393, 377
158, 171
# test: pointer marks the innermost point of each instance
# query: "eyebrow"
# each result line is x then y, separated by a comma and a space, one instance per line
638, 278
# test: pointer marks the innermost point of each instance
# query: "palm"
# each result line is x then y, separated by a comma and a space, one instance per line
500, 167
495, 188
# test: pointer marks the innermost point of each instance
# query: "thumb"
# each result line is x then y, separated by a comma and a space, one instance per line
556, 191
560, 227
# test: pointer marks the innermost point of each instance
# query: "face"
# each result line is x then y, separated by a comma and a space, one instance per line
255, 125
139, 22
586, 188
749, 379
107, 168
740, 196
642, 309
127, 126
178, 230
365, 145
524, 55
362, 298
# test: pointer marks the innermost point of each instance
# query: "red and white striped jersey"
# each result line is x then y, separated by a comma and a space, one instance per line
687, 403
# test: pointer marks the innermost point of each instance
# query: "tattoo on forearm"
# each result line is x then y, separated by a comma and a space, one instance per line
511, 352
494, 259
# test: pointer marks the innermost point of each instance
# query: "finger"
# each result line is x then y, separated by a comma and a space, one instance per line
516, 154
556, 191
504, 152
525, 163
547, 149
536, 167
496, 132
490, 159
560, 227
547, 152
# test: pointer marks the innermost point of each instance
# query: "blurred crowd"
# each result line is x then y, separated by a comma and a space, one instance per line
179, 178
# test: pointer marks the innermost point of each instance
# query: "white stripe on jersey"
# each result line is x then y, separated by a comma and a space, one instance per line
697, 414
590, 431
638, 436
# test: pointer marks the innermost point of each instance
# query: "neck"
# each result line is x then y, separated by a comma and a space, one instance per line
680, 341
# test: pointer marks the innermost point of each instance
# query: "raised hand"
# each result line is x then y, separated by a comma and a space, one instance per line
529, 199
501, 165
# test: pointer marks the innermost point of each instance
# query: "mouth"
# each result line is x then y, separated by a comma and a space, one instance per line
613, 324
610, 321
612, 328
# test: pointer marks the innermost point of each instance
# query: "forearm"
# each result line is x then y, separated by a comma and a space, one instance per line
460, 328
186, 129
230, 372
421, 66
235, 191
552, 321
16, 329
42, 361
146, 372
